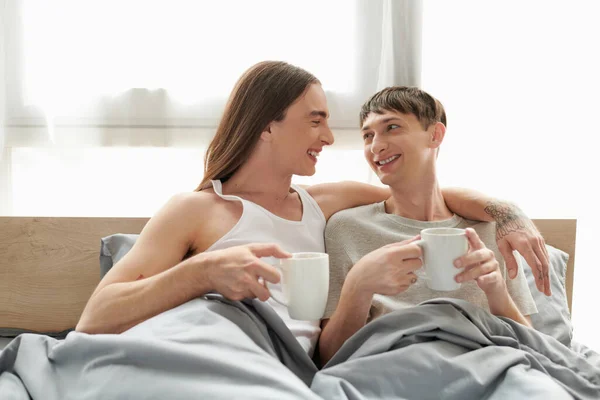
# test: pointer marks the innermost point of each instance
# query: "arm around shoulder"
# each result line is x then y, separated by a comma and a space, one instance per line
337, 196
468, 203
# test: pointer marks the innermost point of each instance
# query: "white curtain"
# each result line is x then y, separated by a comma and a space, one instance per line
520, 83
173, 63
400, 59
2, 75
5, 198
112, 103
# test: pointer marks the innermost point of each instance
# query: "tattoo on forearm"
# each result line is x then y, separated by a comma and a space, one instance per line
508, 218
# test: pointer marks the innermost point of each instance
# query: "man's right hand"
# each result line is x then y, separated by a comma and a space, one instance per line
388, 270
235, 272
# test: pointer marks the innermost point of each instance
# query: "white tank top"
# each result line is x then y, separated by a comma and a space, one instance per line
258, 225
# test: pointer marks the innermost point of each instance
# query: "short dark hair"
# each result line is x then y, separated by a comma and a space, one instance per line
406, 100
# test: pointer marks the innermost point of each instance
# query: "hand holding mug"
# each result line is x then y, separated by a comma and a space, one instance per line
480, 264
441, 246
235, 272
388, 270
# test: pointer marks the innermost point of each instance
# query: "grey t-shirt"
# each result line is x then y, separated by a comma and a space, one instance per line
353, 233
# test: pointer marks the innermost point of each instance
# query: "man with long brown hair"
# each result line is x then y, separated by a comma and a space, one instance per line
274, 126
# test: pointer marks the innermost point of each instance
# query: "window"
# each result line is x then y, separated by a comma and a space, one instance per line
174, 62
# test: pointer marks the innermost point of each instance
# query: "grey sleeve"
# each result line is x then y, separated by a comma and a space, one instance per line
339, 265
519, 289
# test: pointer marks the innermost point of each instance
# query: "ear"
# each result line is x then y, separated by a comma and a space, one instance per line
267, 135
437, 135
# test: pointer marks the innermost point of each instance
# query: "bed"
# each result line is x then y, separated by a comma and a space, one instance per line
50, 266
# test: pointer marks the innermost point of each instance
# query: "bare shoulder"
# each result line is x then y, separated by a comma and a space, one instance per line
190, 203
205, 216
182, 226
177, 221
335, 196
202, 203
182, 211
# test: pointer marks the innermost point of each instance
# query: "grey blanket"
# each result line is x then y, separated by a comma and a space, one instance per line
215, 349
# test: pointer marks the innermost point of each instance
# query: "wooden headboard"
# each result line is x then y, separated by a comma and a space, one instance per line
50, 266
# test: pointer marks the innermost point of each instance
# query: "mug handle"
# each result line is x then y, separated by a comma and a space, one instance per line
420, 243
273, 296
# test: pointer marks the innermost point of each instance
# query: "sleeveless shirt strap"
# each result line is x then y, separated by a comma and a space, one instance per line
308, 199
218, 188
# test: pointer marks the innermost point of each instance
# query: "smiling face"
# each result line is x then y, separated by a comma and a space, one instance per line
398, 148
298, 139
402, 129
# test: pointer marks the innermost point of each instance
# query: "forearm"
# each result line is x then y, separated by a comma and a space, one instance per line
350, 315
120, 306
503, 306
477, 206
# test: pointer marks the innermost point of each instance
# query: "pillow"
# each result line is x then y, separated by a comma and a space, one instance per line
113, 248
553, 317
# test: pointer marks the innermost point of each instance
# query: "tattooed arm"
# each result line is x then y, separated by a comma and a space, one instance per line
508, 217
514, 231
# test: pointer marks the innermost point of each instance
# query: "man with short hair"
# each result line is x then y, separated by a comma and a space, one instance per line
374, 266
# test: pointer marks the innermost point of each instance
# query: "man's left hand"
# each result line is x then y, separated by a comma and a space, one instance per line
515, 231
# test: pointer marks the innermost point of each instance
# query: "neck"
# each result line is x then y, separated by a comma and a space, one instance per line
258, 178
421, 199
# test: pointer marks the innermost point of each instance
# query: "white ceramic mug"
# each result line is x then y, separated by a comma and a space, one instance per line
441, 246
305, 283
